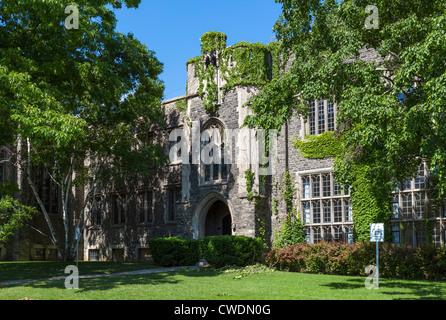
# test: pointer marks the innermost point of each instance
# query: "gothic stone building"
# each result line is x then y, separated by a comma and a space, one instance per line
192, 199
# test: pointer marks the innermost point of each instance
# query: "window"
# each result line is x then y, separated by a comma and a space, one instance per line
173, 195
212, 153
327, 235
407, 206
306, 188
119, 209
145, 206
337, 189
327, 211
322, 117
316, 187
93, 255
396, 234
338, 234
48, 190
316, 212
331, 117
317, 237
337, 210
118, 255
144, 255
395, 208
326, 184
307, 213
419, 204
407, 185
348, 211
420, 179
350, 235
96, 212
308, 235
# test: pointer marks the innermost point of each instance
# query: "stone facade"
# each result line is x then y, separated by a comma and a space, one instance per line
192, 200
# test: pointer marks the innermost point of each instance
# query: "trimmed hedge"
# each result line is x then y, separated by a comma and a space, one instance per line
169, 252
395, 261
219, 251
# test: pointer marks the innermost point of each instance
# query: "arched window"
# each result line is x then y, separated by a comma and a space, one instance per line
212, 153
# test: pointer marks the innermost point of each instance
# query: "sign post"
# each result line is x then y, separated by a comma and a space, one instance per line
77, 236
377, 235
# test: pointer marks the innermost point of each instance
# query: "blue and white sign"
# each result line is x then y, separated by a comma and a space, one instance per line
377, 232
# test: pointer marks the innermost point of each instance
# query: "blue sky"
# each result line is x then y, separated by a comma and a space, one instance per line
173, 29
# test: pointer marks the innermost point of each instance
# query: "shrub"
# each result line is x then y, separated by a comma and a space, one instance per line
220, 251
395, 261
168, 252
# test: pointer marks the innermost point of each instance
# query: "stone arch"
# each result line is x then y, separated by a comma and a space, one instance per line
204, 207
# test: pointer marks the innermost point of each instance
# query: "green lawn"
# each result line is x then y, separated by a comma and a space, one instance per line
210, 285
47, 269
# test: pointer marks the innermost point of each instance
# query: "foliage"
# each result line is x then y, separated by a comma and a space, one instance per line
370, 200
71, 94
396, 261
13, 215
213, 41
388, 83
242, 64
325, 145
219, 251
174, 251
292, 230
239, 251
249, 176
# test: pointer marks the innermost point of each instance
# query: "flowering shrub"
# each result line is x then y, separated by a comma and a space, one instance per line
395, 261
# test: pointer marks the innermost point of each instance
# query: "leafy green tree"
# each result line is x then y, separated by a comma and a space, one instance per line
77, 101
390, 108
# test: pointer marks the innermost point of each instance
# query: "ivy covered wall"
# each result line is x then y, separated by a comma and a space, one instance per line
243, 64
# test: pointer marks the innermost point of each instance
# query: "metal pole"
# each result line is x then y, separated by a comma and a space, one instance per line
377, 264
77, 253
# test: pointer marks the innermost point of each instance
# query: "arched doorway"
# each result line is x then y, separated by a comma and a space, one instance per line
218, 220
213, 215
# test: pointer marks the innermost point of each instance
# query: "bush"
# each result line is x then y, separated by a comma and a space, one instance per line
399, 262
168, 252
220, 251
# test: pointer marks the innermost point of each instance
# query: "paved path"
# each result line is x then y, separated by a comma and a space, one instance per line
126, 273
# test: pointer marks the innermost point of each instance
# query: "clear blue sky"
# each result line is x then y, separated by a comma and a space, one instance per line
173, 29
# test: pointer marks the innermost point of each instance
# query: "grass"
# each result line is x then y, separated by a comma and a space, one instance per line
213, 285
47, 269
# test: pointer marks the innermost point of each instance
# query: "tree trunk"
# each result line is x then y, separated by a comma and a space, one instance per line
39, 201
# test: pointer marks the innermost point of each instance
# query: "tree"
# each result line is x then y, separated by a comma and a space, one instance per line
78, 102
390, 108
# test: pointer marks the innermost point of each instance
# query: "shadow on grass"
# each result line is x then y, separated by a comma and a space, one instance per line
422, 290
109, 282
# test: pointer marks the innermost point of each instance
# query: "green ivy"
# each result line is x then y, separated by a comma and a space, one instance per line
242, 64
249, 176
325, 145
213, 40
370, 203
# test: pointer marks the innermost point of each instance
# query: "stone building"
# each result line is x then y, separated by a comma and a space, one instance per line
190, 197
195, 199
